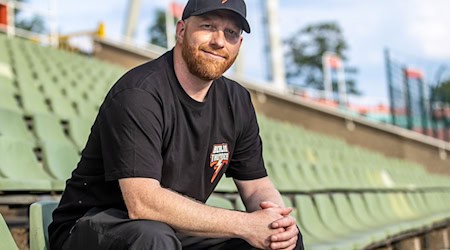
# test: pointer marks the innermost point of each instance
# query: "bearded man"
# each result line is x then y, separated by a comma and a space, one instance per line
165, 134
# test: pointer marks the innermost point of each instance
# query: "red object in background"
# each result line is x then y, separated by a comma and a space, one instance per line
334, 61
3, 14
176, 9
414, 74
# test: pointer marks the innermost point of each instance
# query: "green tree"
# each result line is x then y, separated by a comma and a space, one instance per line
33, 23
304, 55
442, 92
157, 30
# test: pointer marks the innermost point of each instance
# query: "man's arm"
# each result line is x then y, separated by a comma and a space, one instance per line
254, 192
261, 194
146, 199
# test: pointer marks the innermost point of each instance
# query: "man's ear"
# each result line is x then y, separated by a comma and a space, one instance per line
181, 28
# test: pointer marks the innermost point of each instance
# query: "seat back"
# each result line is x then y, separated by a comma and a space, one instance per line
40, 218
217, 201
7, 241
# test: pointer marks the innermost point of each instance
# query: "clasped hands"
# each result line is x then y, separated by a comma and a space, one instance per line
286, 227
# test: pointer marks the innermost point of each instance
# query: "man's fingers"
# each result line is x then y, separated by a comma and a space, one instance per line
289, 244
286, 211
284, 222
290, 232
268, 204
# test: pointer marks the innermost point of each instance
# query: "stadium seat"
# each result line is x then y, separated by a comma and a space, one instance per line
8, 101
79, 130
13, 125
62, 107
218, 201
60, 159
315, 234
86, 109
49, 128
40, 218
226, 185
18, 164
34, 102
279, 175
7, 241
329, 215
348, 216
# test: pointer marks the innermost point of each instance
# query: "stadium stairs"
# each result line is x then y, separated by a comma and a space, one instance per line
345, 196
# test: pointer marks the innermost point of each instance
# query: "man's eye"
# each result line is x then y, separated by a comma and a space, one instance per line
207, 26
231, 32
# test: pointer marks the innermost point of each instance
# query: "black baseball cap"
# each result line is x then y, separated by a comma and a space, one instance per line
199, 7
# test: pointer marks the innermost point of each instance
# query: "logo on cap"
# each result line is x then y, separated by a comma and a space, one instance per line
224, 1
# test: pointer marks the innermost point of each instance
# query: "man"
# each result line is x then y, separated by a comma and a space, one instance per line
165, 134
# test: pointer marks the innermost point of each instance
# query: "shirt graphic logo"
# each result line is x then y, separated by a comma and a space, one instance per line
224, 1
219, 158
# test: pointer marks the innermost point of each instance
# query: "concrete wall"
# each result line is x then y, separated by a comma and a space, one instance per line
384, 138
389, 140
123, 54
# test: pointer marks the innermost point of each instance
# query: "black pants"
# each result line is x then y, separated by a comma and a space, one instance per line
112, 229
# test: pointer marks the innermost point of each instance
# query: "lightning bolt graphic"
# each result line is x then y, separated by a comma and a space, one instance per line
217, 169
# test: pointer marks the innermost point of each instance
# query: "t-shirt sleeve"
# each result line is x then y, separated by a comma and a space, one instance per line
247, 161
131, 135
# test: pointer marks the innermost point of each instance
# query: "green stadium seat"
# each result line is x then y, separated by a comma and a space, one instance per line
8, 101
347, 214
40, 218
86, 109
18, 163
277, 171
361, 210
7, 87
217, 201
49, 128
239, 205
34, 102
226, 185
7, 241
311, 177
79, 130
315, 234
329, 215
60, 159
12, 124
62, 107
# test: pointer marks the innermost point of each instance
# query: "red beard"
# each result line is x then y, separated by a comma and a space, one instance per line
202, 66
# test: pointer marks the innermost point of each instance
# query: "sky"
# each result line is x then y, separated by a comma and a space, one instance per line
416, 32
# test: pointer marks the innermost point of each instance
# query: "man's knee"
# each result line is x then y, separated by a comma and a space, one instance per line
147, 234
111, 229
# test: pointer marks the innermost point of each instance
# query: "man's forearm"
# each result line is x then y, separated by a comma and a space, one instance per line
146, 199
182, 213
256, 191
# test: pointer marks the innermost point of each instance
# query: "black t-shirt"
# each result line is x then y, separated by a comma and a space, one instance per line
149, 127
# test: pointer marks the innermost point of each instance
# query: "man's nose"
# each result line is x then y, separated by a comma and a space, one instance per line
218, 39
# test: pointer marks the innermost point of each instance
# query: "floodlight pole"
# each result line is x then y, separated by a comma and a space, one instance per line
53, 10
170, 27
276, 48
132, 18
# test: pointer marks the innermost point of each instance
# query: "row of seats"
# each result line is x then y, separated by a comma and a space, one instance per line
38, 155
337, 221
326, 162
58, 145
344, 221
39, 80
40, 128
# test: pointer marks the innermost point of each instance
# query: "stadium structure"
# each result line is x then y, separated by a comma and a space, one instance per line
354, 183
